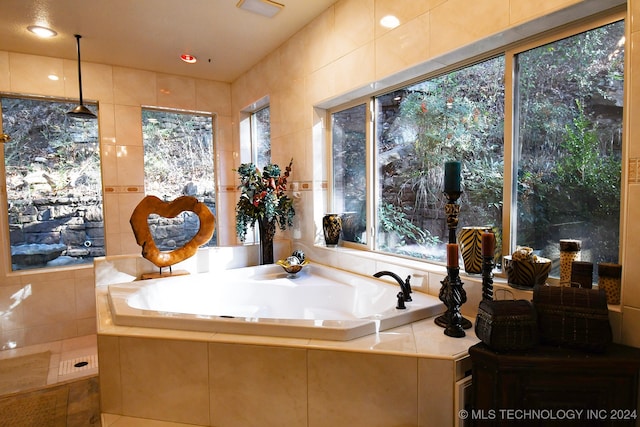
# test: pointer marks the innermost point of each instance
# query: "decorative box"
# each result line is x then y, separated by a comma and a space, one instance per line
507, 325
573, 317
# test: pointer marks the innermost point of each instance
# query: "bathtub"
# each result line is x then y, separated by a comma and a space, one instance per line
320, 302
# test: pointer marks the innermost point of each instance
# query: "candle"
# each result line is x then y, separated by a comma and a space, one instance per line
452, 255
488, 244
452, 177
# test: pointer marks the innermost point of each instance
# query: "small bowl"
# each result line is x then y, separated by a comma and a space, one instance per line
525, 274
291, 268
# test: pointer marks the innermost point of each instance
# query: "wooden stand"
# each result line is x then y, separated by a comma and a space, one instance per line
165, 273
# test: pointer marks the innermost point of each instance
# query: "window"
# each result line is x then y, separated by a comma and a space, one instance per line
569, 143
255, 144
53, 183
564, 128
349, 171
261, 137
456, 116
178, 160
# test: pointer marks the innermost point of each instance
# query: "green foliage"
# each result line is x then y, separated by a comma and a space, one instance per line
262, 196
178, 149
46, 142
394, 220
455, 116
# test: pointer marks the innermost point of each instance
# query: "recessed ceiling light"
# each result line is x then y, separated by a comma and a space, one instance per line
42, 31
53, 77
266, 8
389, 21
189, 59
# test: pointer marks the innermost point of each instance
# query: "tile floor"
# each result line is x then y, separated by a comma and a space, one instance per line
64, 355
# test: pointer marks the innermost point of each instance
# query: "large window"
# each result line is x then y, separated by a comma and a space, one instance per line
569, 143
53, 183
456, 116
178, 160
565, 115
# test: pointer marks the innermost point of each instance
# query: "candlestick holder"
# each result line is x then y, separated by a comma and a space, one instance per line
452, 294
487, 277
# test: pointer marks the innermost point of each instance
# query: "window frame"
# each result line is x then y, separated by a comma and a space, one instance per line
510, 131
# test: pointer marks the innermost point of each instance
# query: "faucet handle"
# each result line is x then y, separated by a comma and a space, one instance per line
408, 284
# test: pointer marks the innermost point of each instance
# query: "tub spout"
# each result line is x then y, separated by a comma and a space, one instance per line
405, 285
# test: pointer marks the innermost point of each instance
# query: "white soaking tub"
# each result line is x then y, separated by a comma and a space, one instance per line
320, 302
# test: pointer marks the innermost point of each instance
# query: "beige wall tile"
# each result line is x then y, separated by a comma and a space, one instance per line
524, 11
107, 124
109, 161
321, 84
111, 212
51, 302
110, 384
214, 97
128, 125
127, 202
287, 108
320, 41
451, 29
354, 25
356, 69
361, 389
403, 46
224, 136
148, 366
11, 298
28, 75
130, 165
97, 81
292, 67
257, 386
176, 92
85, 293
134, 87
5, 84
404, 11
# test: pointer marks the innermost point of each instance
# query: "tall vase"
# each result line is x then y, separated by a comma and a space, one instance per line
331, 226
470, 240
267, 231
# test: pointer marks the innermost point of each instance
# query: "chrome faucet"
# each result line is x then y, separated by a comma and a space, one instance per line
405, 286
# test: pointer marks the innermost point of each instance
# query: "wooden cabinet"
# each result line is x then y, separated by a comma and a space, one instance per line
554, 386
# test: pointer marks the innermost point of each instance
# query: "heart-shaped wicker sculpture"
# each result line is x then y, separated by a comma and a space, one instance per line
153, 205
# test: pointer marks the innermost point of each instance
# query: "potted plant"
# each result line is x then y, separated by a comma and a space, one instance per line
263, 200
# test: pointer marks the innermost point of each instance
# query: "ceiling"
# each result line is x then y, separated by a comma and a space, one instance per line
152, 34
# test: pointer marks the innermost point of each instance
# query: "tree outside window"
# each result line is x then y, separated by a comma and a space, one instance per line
457, 116
178, 161
569, 102
567, 150
53, 183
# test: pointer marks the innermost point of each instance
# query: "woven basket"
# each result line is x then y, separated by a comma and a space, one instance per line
507, 325
573, 317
